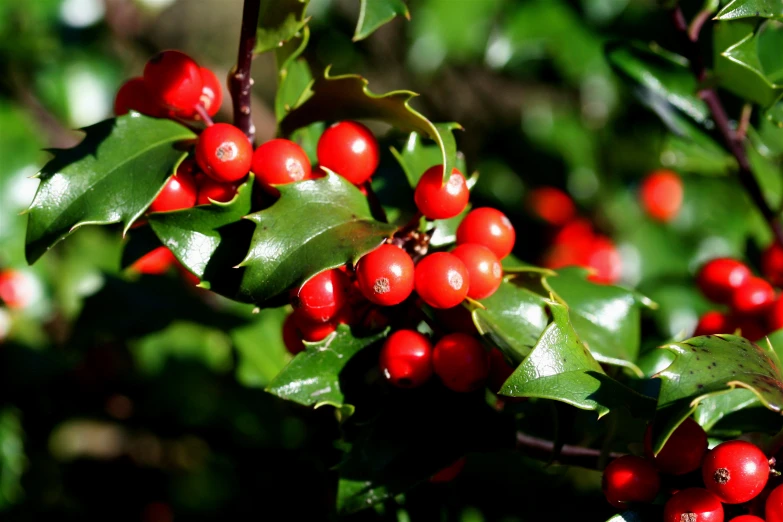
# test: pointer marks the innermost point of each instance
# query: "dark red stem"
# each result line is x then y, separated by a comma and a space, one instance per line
240, 82
204, 115
568, 455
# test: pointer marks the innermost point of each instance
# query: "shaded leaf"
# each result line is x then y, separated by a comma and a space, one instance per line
184, 340
328, 223
278, 22
374, 13
751, 8
110, 177
313, 376
13, 460
260, 348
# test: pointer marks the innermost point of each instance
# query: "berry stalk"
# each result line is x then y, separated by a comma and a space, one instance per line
239, 81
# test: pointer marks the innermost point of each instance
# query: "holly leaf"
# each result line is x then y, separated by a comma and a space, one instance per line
294, 78
374, 13
347, 97
313, 376
210, 240
710, 365
278, 22
607, 318
327, 223
751, 8
13, 460
561, 368
259, 362
110, 177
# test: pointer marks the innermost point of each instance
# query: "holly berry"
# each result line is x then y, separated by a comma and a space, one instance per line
551, 205
630, 479
156, 262
753, 297
489, 227
278, 162
683, 451
747, 518
449, 473
484, 270
313, 331
461, 362
772, 264
323, 295
750, 326
292, 339
174, 80
736, 471
385, 275
349, 149
211, 92
605, 261
720, 278
406, 359
180, 191
438, 200
224, 153
693, 505
773, 509
775, 315
16, 290
661, 195
442, 280
210, 190
714, 323
133, 95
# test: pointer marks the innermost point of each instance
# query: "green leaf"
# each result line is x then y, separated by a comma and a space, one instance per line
184, 340
347, 97
313, 376
607, 318
712, 409
343, 232
561, 368
12, 458
110, 177
710, 365
294, 78
278, 22
260, 348
416, 156
210, 240
374, 13
751, 8
514, 316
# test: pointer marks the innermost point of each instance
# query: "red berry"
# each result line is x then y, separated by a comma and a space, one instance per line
773, 509
719, 279
406, 359
683, 451
174, 80
661, 195
484, 270
211, 92
385, 275
323, 295
747, 518
438, 200
16, 290
291, 336
754, 297
133, 95
349, 149
448, 473
714, 323
772, 264
155, 262
209, 189
278, 162
750, 327
224, 153
552, 205
461, 362
442, 280
630, 479
489, 227
313, 331
775, 315
693, 505
179, 192
499, 370
605, 260
456, 319
736, 471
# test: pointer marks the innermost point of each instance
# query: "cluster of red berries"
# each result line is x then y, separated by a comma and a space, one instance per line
753, 307
734, 472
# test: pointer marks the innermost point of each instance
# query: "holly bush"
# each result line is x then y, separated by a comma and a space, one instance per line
271, 281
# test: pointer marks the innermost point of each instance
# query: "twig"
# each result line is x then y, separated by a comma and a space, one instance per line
239, 81
375, 204
733, 142
568, 455
698, 22
204, 115
744, 122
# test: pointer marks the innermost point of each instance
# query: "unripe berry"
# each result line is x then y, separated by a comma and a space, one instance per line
461, 362
385, 275
489, 227
683, 451
156, 262
693, 505
442, 280
349, 149
773, 509
133, 95
179, 192
438, 200
484, 270
406, 359
279, 162
551, 205
224, 153
661, 195
209, 189
630, 479
753, 297
448, 473
772, 264
719, 278
292, 339
174, 80
736, 471
323, 295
